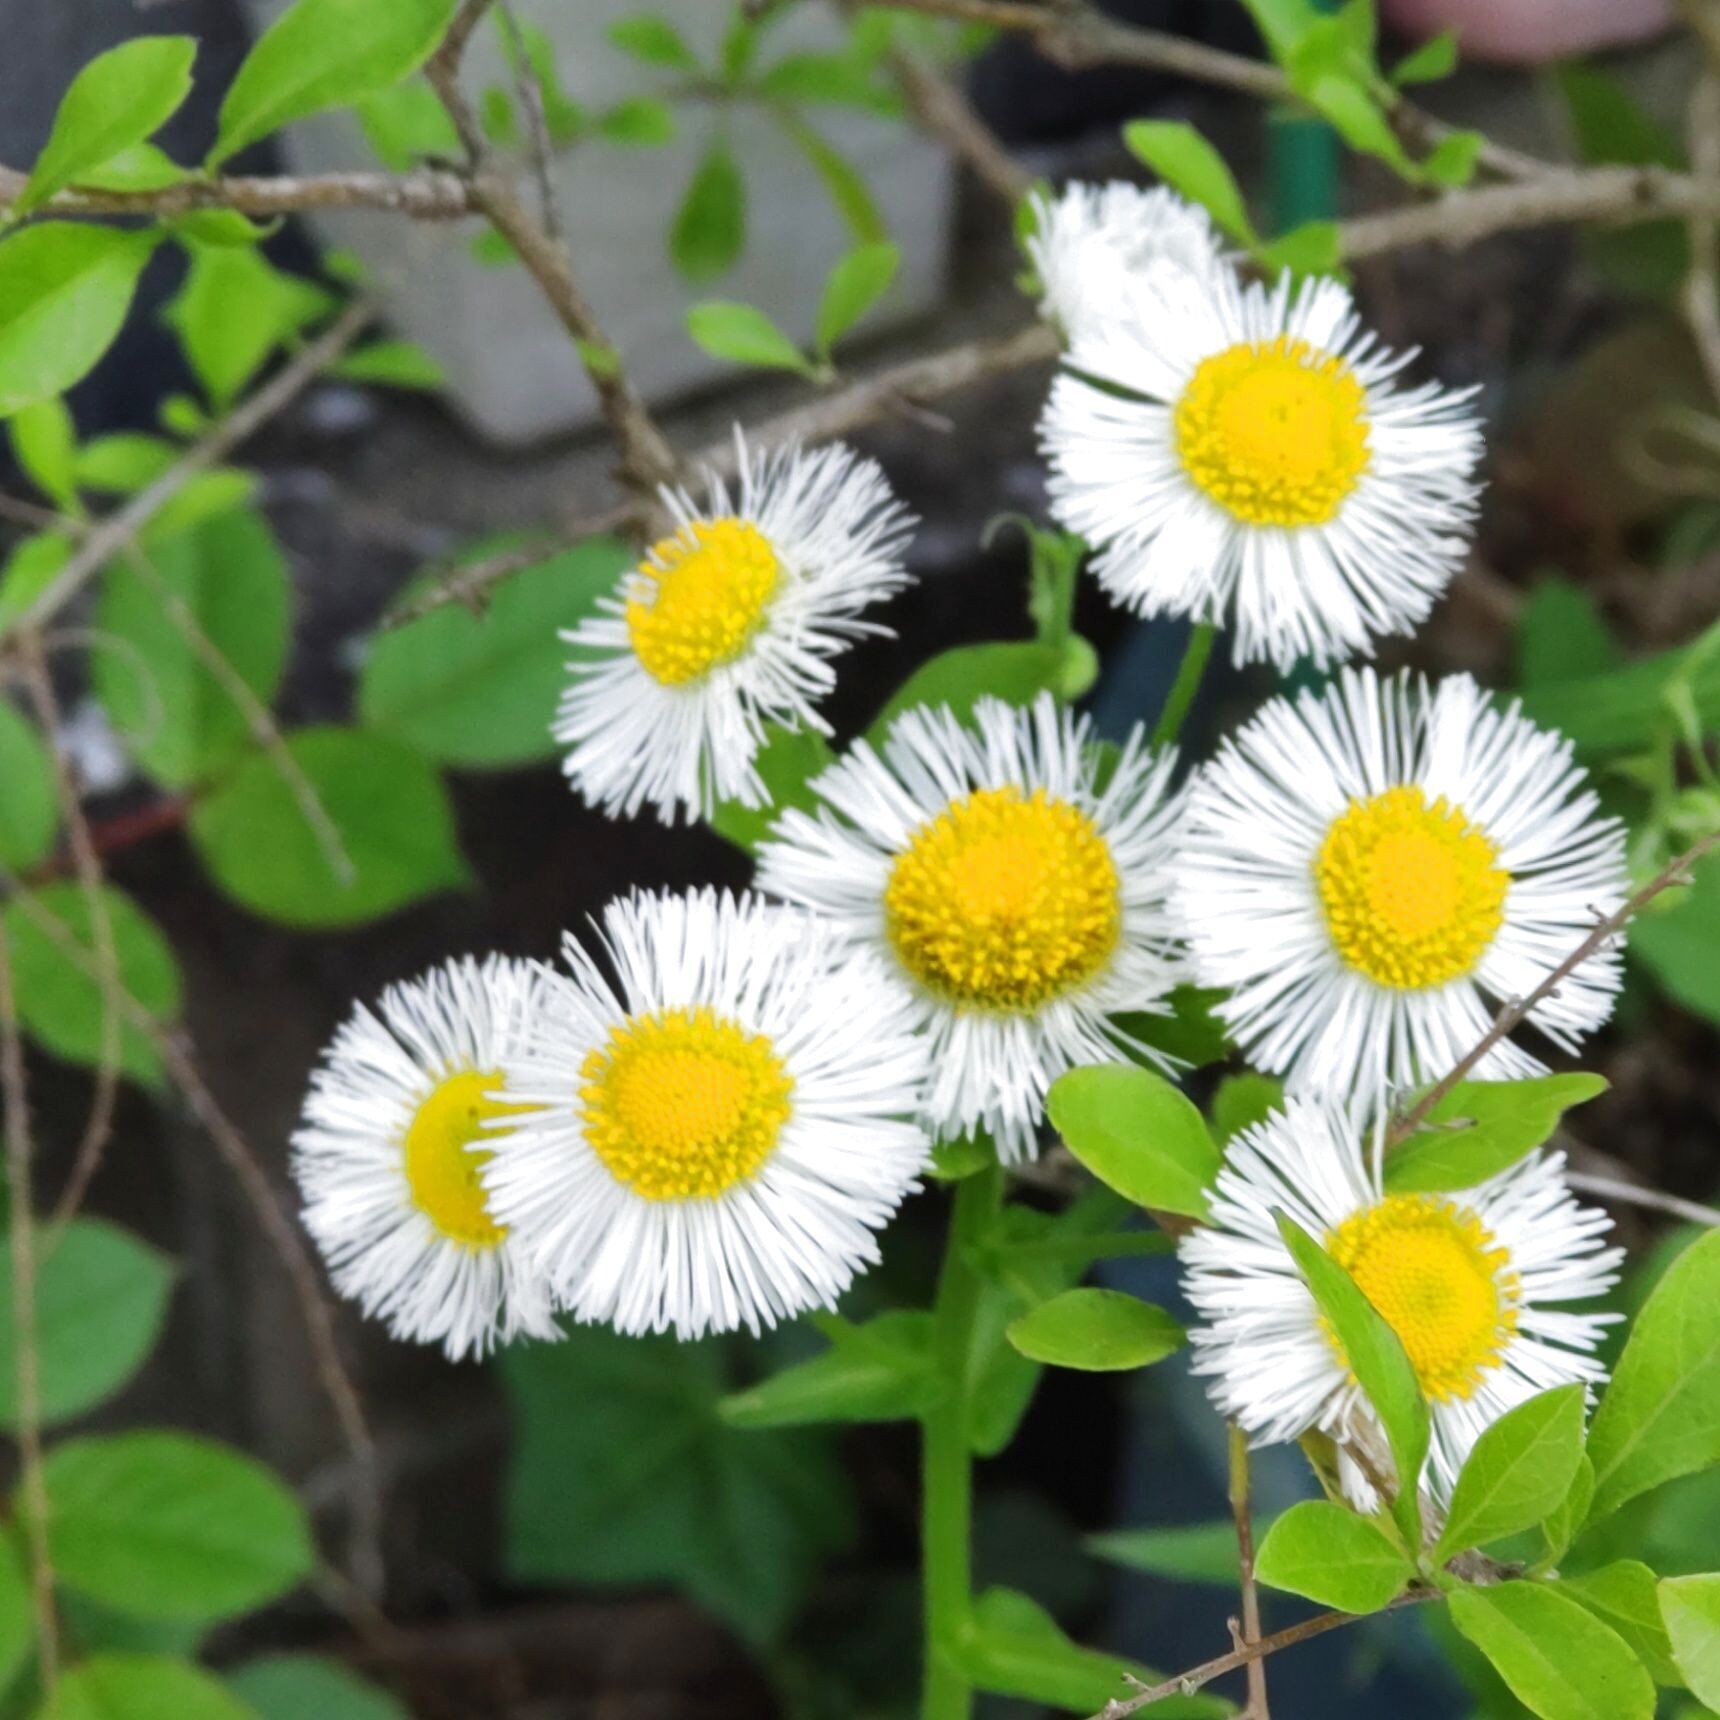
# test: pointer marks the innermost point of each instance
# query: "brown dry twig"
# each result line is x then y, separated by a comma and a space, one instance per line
1249, 1634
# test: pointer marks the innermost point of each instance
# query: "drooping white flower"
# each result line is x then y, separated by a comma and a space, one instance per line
1372, 870
396, 1127
728, 625
1476, 1284
722, 1126
1015, 904
1245, 455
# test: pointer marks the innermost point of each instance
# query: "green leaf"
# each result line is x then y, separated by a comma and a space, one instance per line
1623, 709
405, 124
1452, 162
65, 289
1137, 1134
1623, 1596
117, 100
307, 1687
60, 1004
638, 124
1559, 1659
625, 1472
842, 180
1681, 947
854, 286
17, 1614
388, 809
101, 1295
879, 1371
1186, 162
168, 1526
1565, 1521
1096, 1331
141, 1687
1690, 1609
1283, 23
175, 714
1520, 1471
1191, 1031
29, 805
1436, 58
959, 678
1661, 1415
836, 80
28, 571
1314, 248
45, 444
393, 363
1610, 125
1242, 1101
1377, 1359
787, 762
321, 54
1561, 635
225, 490
123, 462
653, 39
1481, 1128
480, 691
1331, 1554
743, 334
710, 227
141, 167
1189, 1552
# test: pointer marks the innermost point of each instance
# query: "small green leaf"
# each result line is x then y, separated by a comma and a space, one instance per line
307, 1687
879, 1371
1690, 1609
101, 1295
141, 1687
1096, 1331
394, 363
1481, 1128
639, 123
961, 677
1623, 1596
168, 1526
854, 286
836, 80
142, 167
321, 54
1377, 1359
1660, 1417
389, 812
1137, 1134
1188, 1552
407, 123
1559, 1660
1520, 1471
29, 802
1314, 248
1436, 58
709, 230
743, 334
45, 444
1335, 1556
786, 763
1242, 1101
123, 462
653, 39
65, 289
117, 100
1190, 1031
1561, 635
28, 571
1565, 1521
1453, 160
844, 182
1186, 162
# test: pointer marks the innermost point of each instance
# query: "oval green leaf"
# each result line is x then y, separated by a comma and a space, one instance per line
1623, 1596
307, 1687
29, 809
1690, 1609
1481, 1128
1137, 1134
855, 285
1017, 674
141, 1687
1332, 1555
879, 1371
1096, 1331
710, 226
1519, 1472
743, 334
1186, 162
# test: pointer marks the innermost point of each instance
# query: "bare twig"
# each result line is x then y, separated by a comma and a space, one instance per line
537, 126
1250, 1633
943, 111
1652, 1199
1700, 297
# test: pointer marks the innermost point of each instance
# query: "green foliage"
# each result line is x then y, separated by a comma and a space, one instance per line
961, 677
116, 101
320, 54
45, 443
745, 335
1434, 59
392, 363
652, 38
1096, 1331
1241, 1101
406, 122
1137, 1134
1335, 1556
388, 812
1481, 1128
1561, 635
1190, 1030
16, 1618
306, 1687
1186, 162
29, 811
59, 996
1690, 1609
709, 230
1623, 1596
1313, 248
1520, 1471
141, 1687
638, 124
480, 691
787, 763
848, 191
1190, 1553
1565, 1521
167, 1526
101, 1295
1624, 709
1558, 1658
1660, 1417
879, 1371
28, 571
854, 286
1681, 947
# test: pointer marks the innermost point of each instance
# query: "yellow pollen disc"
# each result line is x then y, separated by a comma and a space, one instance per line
685, 1104
442, 1163
712, 582
1413, 893
1439, 1280
1275, 433
1003, 902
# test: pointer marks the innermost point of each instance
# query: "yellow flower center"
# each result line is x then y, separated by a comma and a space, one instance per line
1003, 902
443, 1162
1439, 1280
712, 582
1413, 892
685, 1104
1276, 434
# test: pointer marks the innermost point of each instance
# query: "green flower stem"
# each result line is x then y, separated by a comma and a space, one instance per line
1186, 685
946, 1504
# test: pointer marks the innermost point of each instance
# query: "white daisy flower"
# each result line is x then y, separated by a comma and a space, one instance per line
387, 1158
1093, 245
1016, 904
724, 1125
728, 625
1475, 1284
1373, 869
1243, 453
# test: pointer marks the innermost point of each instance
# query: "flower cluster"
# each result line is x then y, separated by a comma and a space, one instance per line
702, 1121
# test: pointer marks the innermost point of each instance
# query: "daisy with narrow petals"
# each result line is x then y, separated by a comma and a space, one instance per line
729, 624
1245, 455
1093, 245
1476, 1284
396, 1127
723, 1125
1372, 870
1016, 905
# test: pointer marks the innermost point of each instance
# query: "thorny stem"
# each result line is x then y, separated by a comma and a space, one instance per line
1239, 1508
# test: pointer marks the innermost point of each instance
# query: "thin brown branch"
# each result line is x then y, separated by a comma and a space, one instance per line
941, 109
1650, 1199
530, 95
1250, 1632
1518, 1010
1700, 297
452, 48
